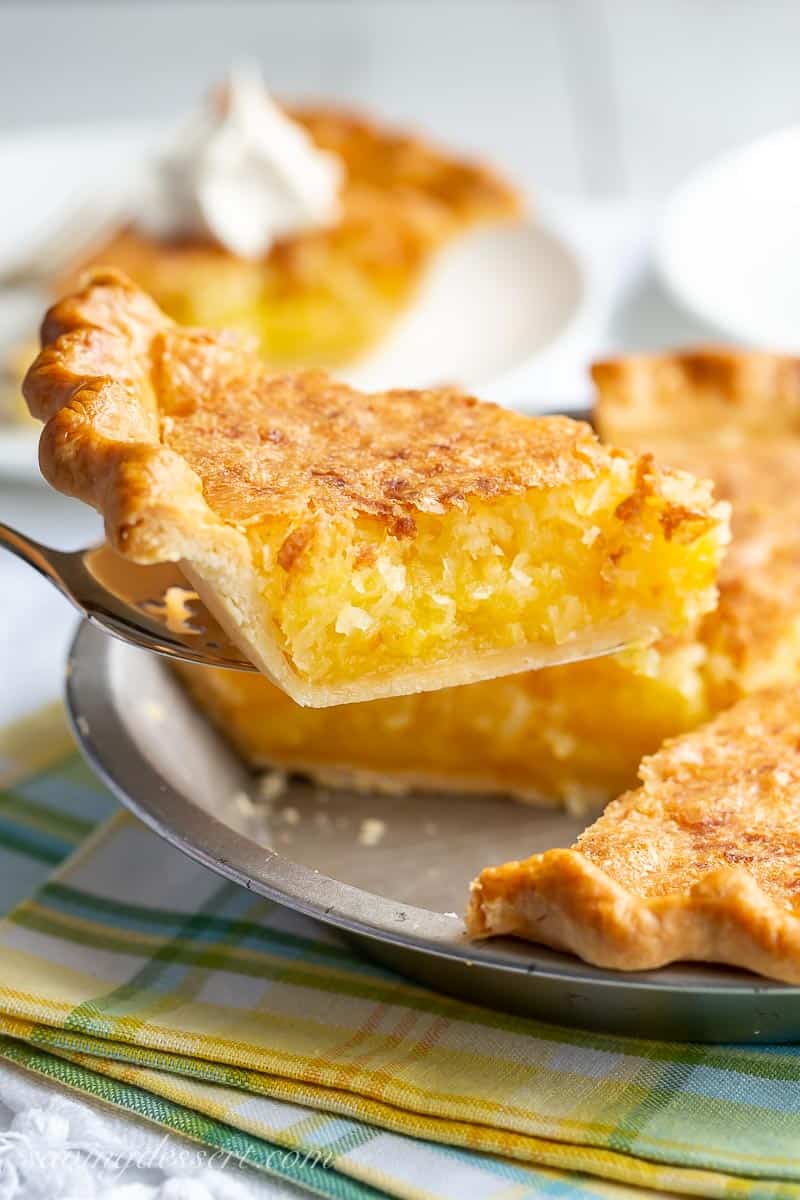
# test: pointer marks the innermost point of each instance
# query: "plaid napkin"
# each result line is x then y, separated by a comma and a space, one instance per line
134, 975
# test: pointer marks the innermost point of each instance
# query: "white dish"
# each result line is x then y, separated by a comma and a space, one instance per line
729, 246
490, 304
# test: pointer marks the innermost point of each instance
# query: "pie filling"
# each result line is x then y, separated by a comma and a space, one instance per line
700, 862
545, 734
336, 301
559, 570
540, 736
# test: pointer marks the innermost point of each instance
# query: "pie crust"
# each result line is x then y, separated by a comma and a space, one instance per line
196, 453
700, 863
733, 416
576, 734
704, 391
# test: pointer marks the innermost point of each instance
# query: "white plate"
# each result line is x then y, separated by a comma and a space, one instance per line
729, 247
490, 304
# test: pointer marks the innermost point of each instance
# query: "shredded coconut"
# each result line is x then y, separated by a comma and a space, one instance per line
518, 574
351, 618
392, 574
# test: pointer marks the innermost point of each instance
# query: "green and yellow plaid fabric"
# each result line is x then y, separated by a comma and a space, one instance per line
137, 976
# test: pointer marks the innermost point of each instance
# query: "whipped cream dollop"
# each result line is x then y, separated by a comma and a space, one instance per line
242, 173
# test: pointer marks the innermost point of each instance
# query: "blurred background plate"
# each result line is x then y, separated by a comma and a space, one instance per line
491, 303
729, 248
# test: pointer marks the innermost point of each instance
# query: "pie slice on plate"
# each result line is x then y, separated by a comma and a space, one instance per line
324, 295
702, 862
357, 546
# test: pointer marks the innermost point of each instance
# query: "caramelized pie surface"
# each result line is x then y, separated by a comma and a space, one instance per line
701, 862
263, 442
733, 416
117, 371
362, 545
725, 795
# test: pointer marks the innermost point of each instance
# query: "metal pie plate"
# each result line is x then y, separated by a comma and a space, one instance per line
390, 872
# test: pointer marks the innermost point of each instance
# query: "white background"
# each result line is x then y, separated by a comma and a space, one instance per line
604, 97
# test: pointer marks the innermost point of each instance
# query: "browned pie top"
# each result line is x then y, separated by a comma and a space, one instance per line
702, 390
258, 439
402, 164
760, 575
401, 196
116, 375
725, 795
732, 416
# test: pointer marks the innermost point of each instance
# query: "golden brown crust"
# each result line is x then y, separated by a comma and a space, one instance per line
92, 386
401, 197
699, 390
733, 416
401, 164
185, 441
139, 412
701, 862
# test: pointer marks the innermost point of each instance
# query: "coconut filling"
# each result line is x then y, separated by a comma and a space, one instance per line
557, 569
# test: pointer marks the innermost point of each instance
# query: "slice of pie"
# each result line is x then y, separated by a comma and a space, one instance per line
701, 863
325, 295
577, 733
358, 546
